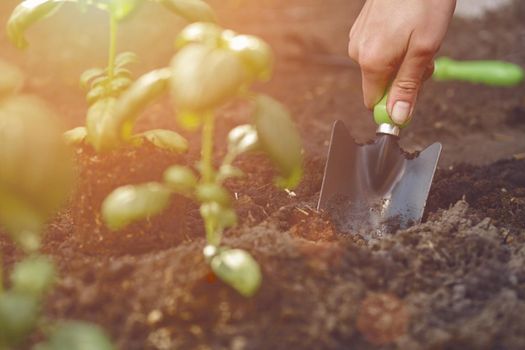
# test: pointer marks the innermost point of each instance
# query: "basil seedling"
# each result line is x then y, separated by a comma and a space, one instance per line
212, 67
35, 179
105, 85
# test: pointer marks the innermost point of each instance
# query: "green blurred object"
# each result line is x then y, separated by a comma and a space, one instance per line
134, 202
34, 275
492, 73
77, 335
18, 316
36, 171
238, 269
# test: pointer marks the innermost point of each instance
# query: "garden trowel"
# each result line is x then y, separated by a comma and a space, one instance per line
377, 187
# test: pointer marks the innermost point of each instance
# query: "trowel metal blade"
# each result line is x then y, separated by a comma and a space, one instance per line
375, 185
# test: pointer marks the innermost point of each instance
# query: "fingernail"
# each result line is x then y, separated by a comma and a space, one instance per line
400, 112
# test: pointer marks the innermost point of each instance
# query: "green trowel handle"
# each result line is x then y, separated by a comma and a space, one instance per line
493, 73
381, 115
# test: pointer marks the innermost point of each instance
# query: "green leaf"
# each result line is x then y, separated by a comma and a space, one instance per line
243, 138
11, 79
102, 131
227, 171
118, 84
165, 139
75, 136
34, 275
255, 53
36, 168
97, 93
89, 75
204, 78
279, 139
101, 82
21, 219
123, 73
139, 95
77, 336
125, 58
180, 179
121, 9
132, 203
238, 269
210, 192
208, 34
217, 218
26, 14
191, 10
18, 316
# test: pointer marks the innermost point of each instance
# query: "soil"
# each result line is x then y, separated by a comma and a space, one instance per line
455, 281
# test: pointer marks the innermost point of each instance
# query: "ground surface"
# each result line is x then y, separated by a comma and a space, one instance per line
456, 281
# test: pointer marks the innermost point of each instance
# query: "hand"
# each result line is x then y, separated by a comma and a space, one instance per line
394, 42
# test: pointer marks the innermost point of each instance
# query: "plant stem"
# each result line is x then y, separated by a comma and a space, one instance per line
213, 236
1, 276
113, 26
207, 171
207, 147
226, 161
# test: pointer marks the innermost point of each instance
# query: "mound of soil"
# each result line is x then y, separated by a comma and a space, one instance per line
453, 282
456, 281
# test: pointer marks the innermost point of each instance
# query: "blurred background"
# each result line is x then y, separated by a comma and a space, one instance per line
313, 76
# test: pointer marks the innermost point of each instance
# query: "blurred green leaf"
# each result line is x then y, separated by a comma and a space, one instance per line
34, 275
75, 136
243, 138
100, 82
96, 93
255, 53
36, 168
123, 73
102, 131
77, 336
22, 221
89, 75
180, 179
191, 10
203, 77
211, 192
217, 218
11, 79
227, 171
18, 316
128, 204
165, 139
125, 58
279, 139
205, 33
26, 14
119, 84
238, 269
141, 93
121, 9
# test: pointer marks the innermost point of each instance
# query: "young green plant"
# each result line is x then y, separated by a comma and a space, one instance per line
105, 85
35, 178
212, 67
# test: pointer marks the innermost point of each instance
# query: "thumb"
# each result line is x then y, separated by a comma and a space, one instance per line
407, 83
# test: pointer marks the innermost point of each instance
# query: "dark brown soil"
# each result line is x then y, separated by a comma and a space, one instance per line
456, 281
496, 191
